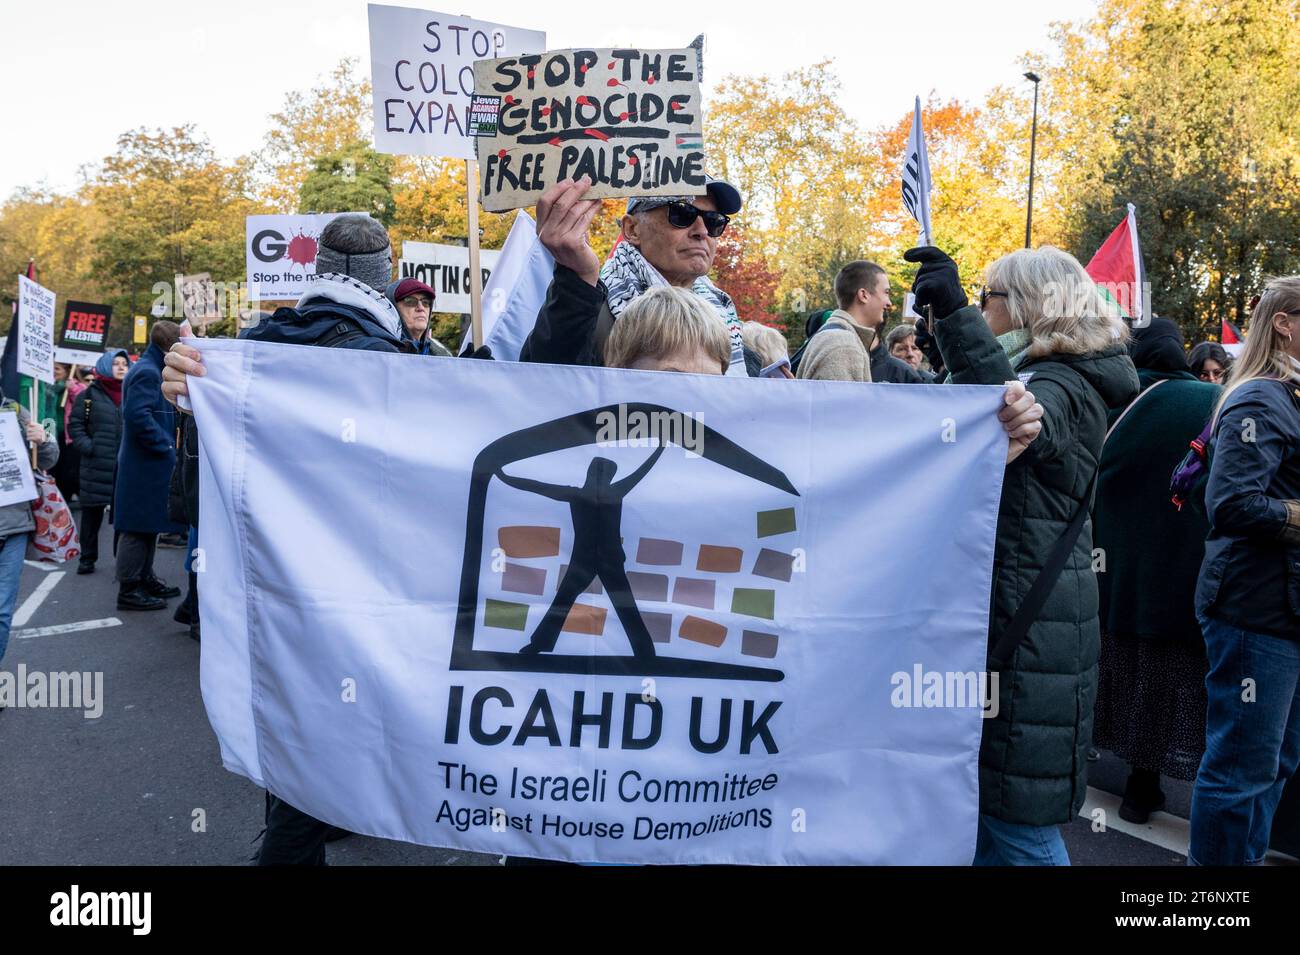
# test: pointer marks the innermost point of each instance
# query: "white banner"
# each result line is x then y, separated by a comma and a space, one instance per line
280, 254
445, 269
35, 331
422, 73
16, 481
514, 296
579, 645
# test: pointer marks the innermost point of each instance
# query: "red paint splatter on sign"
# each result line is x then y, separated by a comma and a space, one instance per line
302, 250
632, 160
501, 154
546, 111
596, 133
555, 141
583, 101
622, 116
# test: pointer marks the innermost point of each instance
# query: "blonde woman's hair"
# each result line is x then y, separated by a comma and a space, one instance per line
1264, 354
765, 341
663, 322
1049, 293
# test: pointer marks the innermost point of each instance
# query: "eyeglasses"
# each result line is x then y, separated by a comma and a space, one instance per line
682, 215
985, 295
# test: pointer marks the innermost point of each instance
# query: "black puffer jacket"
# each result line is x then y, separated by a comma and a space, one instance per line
96, 428
1033, 759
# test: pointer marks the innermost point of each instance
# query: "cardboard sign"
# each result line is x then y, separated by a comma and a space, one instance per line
445, 269
16, 481
280, 253
628, 119
35, 330
198, 299
84, 333
422, 73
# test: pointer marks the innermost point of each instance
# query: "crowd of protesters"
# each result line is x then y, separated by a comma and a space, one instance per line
1199, 583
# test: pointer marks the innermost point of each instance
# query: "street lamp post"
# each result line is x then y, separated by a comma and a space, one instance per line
1033, 142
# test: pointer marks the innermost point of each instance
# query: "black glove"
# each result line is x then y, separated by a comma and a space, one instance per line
937, 283
483, 351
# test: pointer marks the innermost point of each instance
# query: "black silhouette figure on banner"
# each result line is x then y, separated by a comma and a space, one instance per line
597, 511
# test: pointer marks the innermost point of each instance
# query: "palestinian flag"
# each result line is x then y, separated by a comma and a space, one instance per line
1118, 271
1229, 334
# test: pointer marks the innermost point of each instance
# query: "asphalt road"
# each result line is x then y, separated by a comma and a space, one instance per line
123, 788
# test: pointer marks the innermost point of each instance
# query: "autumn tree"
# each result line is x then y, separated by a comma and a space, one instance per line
1188, 110
352, 179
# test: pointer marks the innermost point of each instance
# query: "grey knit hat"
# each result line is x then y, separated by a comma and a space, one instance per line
357, 245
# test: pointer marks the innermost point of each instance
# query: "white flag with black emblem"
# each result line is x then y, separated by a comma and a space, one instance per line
916, 177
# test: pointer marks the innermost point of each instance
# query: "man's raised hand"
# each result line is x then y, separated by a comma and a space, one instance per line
563, 218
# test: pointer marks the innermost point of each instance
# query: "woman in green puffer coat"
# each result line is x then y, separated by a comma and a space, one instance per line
1041, 307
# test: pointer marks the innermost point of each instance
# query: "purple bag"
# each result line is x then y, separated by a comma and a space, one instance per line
1190, 469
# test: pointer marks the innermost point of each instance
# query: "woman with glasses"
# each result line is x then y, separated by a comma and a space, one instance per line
1210, 361
1043, 321
1248, 594
666, 241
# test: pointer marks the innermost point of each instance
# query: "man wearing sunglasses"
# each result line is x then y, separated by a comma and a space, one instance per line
665, 241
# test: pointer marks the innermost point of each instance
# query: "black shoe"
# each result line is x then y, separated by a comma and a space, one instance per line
335, 834
172, 540
1142, 796
139, 600
182, 614
194, 632
156, 587
86, 567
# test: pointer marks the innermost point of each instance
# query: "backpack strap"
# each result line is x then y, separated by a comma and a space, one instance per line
343, 333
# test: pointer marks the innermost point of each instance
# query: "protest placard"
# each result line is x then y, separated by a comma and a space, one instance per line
422, 73
280, 253
445, 269
35, 330
629, 119
84, 332
16, 481
198, 299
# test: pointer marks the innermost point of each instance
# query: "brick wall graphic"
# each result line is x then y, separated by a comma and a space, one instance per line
579, 592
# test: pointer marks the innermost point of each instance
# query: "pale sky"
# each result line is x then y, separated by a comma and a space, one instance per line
74, 74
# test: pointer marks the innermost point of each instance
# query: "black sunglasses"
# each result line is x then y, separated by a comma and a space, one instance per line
985, 295
683, 215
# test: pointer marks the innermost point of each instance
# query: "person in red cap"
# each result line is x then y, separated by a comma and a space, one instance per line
414, 301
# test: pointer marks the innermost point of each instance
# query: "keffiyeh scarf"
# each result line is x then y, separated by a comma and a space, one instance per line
627, 274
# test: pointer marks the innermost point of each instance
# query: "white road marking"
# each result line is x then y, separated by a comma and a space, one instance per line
44, 565
1163, 829
35, 599
66, 628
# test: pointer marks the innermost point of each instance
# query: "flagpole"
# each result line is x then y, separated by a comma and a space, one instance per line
475, 273
1033, 142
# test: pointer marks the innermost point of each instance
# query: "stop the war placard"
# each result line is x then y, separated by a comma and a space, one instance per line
422, 73
445, 269
280, 253
85, 330
628, 119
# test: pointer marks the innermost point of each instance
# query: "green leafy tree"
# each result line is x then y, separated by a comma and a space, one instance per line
352, 179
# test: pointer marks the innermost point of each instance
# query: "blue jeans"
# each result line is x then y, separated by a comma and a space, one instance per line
1252, 743
1005, 843
12, 551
